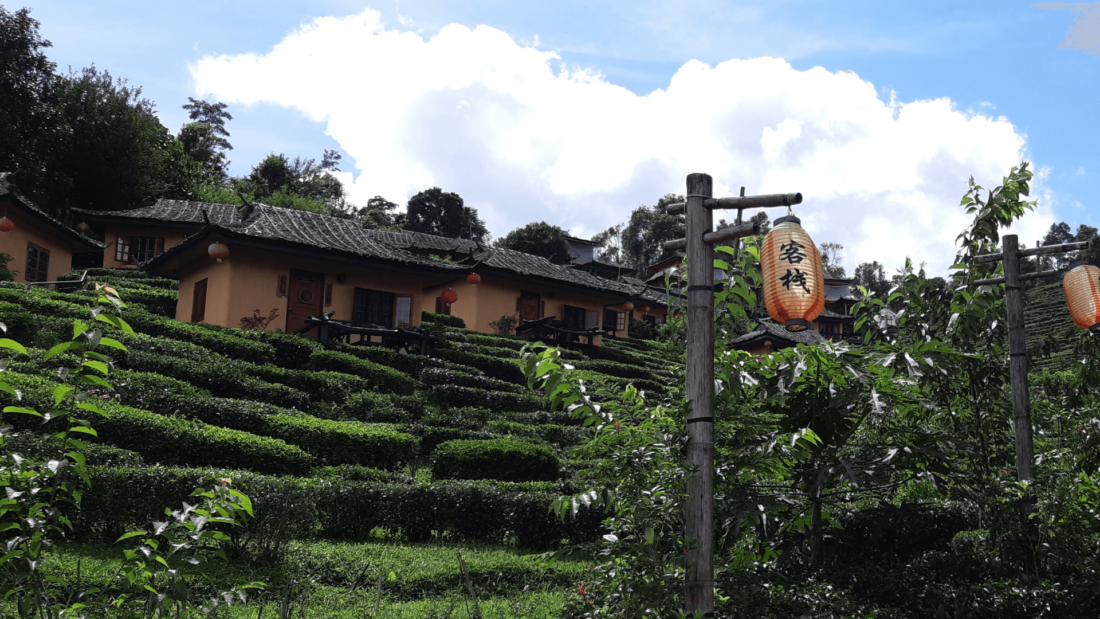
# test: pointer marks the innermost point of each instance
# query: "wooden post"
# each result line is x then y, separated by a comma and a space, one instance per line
699, 511
1017, 364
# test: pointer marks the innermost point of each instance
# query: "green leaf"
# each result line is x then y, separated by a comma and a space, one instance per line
25, 411
59, 393
12, 344
62, 347
98, 365
113, 343
83, 430
130, 534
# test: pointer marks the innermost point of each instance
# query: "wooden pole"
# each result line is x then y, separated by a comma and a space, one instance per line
699, 511
1017, 350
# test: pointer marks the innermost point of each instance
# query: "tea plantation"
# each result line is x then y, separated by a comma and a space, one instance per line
368, 470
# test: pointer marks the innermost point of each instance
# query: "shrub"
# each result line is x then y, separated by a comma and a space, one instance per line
503, 369
219, 379
504, 325
337, 442
442, 319
291, 351
561, 436
614, 368
320, 386
433, 436
379, 377
354, 472
47, 446
443, 376
409, 364
173, 440
454, 395
468, 417
222, 343
500, 459
382, 407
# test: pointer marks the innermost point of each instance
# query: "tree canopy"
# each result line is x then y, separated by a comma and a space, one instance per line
648, 229
540, 239
434, 211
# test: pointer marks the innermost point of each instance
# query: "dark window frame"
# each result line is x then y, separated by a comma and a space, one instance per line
38, 264
198, 300
373, 307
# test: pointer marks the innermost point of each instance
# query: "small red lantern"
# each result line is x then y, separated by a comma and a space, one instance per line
473, 278
628, 306
449, 296
218, 250
83, 227
1082, 288
794, 277
6, 224
645, 309
677, 314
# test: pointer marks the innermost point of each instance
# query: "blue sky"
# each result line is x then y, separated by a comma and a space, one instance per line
546, 110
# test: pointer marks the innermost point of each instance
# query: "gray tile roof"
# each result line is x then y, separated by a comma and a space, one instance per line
769, 330
9, 191
836, 290
345, 235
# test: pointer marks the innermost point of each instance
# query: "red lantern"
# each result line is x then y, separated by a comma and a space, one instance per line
628, 306
677, 314
473, 278
794, 278
449, 296
83, 227
6, 224
645, 309
217, 250
1082, 288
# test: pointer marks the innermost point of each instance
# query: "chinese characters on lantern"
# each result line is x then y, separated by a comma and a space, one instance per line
793, 253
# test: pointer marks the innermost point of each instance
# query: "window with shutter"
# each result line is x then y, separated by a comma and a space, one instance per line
122, 249
143, 248
38, 263
573, 317
372, 307
198, 302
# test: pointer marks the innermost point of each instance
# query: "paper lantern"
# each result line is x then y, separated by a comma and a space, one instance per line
1082, 288
794, 277
628, 306
83, 227
645, 309
6, 224
217, 250
449, 296
473, 278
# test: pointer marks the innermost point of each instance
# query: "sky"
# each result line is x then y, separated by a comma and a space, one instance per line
576, 113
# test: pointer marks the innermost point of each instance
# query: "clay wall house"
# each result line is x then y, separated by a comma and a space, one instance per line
528, 287
285, 262
278, 257
41, 247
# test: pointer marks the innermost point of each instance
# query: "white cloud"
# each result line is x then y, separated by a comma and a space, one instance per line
523, 138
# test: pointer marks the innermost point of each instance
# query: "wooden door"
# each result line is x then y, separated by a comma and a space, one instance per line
528, 306
304, 298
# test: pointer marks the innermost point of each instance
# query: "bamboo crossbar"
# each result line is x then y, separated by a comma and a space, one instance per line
742, 202
719, 236
1035, 251
992, 281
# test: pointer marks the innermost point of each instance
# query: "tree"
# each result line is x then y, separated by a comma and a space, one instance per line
648, 230
872, 276
831, 256
609, 244
443, 213
205, 139
539, 239
760, 219
377, 214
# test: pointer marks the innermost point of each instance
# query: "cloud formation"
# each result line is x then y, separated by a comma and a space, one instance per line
523, 138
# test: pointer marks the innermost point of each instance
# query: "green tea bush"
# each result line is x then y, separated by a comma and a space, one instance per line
291, 351
466, 417
355, 472
223, 380
382, 408
442, 376
561, 436
441, 319
321, 386
503, 369
454, 395
379, 377
47, 446
222, 343
409, 364
434, 436
336, 442
173, 440
614, 368
500, 459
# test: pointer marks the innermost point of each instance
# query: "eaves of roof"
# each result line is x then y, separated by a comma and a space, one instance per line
10, 192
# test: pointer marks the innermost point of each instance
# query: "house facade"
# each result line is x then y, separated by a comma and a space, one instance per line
288, 264
41, 247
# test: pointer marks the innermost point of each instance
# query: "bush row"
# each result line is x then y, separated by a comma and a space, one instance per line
47, 446
457, 396
173, 440
221, 343
444, 376
331, 442
379, 408
561, 436
615, 368
376, 377
442, 319
503, 369
409, 364
302, 508
291, 351
500, 459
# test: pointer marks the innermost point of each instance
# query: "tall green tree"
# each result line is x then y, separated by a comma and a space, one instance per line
539, 239
609, 243
831, 256
444, 213
205, 140
378, 214
648, 229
